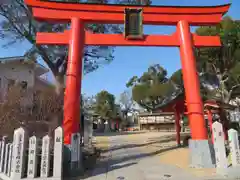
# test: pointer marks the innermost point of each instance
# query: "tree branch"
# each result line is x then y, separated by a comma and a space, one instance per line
22, 32
236, 86
29, 14
231, 91
10, 21
44, 55
225, 80
215, 68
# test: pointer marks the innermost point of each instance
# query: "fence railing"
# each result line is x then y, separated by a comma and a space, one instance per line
227, 155
29, 157
24, 159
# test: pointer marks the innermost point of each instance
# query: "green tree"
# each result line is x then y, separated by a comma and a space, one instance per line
17, 25
153, 88
105, 105
219, 68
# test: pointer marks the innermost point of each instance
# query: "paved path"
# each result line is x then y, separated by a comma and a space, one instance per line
131, 160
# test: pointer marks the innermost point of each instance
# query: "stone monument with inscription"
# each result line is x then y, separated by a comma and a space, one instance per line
232, 169
32, 157
45, 160
234, 147
219, 145
76, 154
21, 159
88, 130
58, 153
19, 149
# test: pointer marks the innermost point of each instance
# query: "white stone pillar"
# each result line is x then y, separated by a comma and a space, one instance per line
234, 147
3, 147
5, 167
19, 150
32, 157
10, 160
45, 158
76, 152
219, 145
58, 153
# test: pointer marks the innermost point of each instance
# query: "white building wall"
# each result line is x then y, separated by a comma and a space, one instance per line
41, 84
18, 73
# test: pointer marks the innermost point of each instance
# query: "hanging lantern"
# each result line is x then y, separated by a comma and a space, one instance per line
133, 26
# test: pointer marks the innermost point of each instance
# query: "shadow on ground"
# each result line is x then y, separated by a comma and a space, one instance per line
103, 164
151, 141
116, 133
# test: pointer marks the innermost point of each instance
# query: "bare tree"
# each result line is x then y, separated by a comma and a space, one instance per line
17, 24
37, 115
46, 105
126, 102
10, 112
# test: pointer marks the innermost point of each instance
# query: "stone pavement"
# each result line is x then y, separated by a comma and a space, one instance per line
125, 161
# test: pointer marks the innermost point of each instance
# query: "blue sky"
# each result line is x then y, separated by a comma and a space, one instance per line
130, 61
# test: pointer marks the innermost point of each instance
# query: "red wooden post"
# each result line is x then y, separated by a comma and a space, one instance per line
177, 125
73, 80
191, 83
117, 124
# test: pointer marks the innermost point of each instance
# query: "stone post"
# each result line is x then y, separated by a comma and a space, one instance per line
76, 154
3, 147
219, 145
19, 150
10, 160
45, 158
32, 157
234, 147
58, 153
5, 167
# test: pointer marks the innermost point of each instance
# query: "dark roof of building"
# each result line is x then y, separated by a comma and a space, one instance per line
171, 100
156, 114
24, 60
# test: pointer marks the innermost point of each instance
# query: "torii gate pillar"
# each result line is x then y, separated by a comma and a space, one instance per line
199, 146
191, 83
73, 79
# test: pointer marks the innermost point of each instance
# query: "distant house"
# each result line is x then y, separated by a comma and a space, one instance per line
162, 121
23, 71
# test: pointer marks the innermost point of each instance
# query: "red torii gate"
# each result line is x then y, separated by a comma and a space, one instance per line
79, 14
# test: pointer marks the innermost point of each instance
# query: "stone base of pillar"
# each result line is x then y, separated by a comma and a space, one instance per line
201, 154
73, 160
71, 168
229, 173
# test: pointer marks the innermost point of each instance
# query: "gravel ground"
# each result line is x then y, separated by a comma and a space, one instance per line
136, 156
